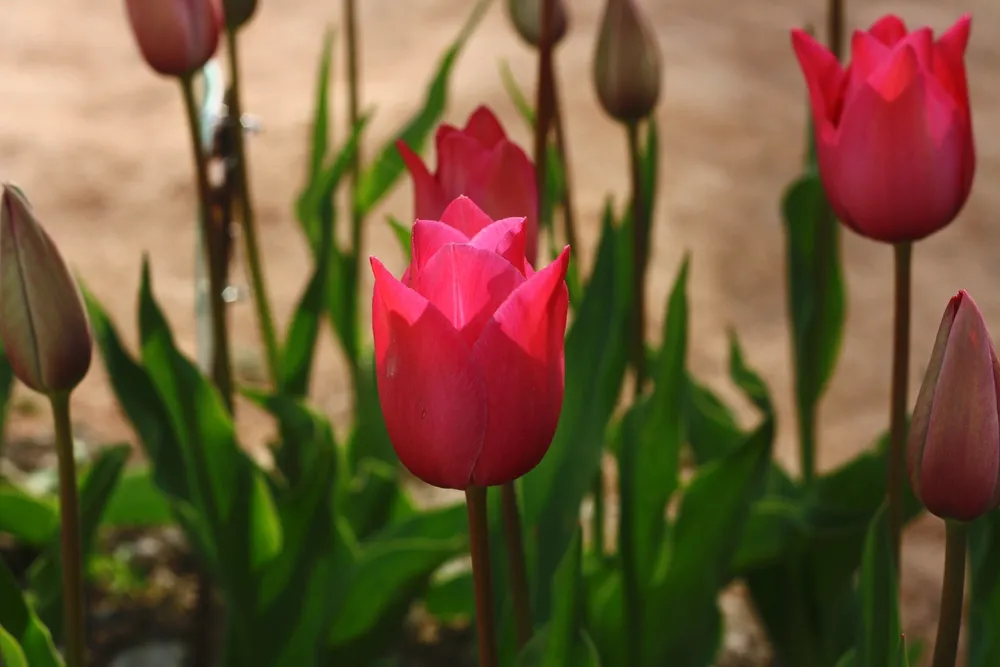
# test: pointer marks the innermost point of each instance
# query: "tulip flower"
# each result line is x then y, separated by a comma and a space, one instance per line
43, 324
176, 37
627, 63
469, 354
526, 15
954, 446
893, 130
481, 163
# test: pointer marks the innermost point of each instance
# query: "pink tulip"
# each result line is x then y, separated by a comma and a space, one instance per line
954, 448
481, 163
893, 130
469, 354
176, 37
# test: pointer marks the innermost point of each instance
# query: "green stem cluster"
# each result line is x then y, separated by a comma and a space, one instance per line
900, 380
479, 549
513, 538
952, 593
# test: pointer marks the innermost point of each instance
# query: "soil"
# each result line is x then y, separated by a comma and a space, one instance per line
98, 142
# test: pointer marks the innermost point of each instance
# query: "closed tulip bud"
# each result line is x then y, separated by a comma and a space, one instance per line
526, 15
176, 37
893, 130
627, 64
469, 351
954, 448
43, 324
238, 12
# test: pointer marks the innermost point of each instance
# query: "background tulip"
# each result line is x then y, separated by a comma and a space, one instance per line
469, 355
45, 330
893, 130
481, 163
627, 68
954, 447
526, 15
176, 37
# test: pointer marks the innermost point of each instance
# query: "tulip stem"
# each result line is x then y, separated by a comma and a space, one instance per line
900, 377
640, 257
354, 117
518, 569
479, 549
544, 102
265, 316
569, 215
952, 591
69, 533
835, 27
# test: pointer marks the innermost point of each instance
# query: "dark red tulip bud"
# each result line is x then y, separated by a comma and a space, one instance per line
627, 64
526, 15
954, 448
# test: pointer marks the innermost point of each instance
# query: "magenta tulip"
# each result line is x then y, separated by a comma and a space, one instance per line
893, 130
954, 447
481, 163
176, 37
469, 350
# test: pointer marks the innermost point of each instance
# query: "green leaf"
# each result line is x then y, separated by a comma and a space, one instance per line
137, 502
452, 600
816, 299
234, 503
6, 389
878, 627
19, 620
596, 357
30, 519
388, 166
566, 645
984, 591
775, 529
747, 379
403, 235
319, 140
681, 624
96, 488
524, 108
395, 566
710, 425
11, 654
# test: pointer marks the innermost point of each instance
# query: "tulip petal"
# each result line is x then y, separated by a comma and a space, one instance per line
429, 201
465, 215
508, 238
893, 175
962, 451
949, 61
467, 285
824, 78
510, 191
461, 165
432, 395
521, 357
427, 238
485, 128
889, 30
895, 73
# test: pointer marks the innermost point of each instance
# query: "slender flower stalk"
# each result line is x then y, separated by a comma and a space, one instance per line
952, 592
544, 102
514, 540
353, 116
900, 378
479, 548
835, 27
71, 548
265, 316
568, 209
640, 257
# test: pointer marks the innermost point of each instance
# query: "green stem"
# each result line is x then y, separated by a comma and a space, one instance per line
835, 27
353, 117
640, 258
479, 548
569, 214
598, 521
69, 533
514, 540
265, 316
952, 591
900, 378
544, 104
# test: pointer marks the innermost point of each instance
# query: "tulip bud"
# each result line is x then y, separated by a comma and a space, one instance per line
43, 324
954, 448
526, 15
238, 12
176, 37
627, 63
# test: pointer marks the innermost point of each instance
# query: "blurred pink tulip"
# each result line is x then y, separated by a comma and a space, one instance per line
176, 37
893, 130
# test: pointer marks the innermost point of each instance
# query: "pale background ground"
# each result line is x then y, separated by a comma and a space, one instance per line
98, 142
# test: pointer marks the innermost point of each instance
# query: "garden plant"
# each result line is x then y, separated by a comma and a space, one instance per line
509, 361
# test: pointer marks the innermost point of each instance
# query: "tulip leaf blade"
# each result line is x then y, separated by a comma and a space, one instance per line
706, 535
816, 300
137, 501
11, 653
879, 626
596, 358
388, 165
711, 427
96, 488
20, 621
403, 234
984, 591
30, 519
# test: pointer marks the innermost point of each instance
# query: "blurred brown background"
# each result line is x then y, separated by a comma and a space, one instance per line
99, 144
